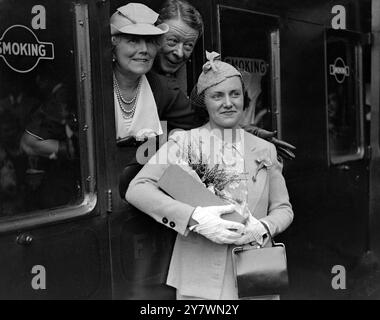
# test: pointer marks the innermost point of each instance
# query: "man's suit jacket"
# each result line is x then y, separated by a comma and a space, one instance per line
173, 105
197, 266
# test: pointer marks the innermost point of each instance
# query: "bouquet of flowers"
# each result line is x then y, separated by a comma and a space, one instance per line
223, 183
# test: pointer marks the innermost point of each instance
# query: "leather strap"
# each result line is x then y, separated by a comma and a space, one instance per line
268, 232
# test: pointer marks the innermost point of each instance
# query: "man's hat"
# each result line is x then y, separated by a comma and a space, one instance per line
137, 19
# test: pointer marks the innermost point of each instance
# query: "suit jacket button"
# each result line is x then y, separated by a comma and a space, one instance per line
172, 224
165, 220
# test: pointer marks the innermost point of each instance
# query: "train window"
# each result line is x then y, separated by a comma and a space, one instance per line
255, 52
344, 97
39, 143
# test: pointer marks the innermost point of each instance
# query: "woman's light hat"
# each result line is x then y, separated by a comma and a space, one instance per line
215, 72
137, 19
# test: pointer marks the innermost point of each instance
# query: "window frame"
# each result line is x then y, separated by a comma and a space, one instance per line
82, 64
359, 102
274, 58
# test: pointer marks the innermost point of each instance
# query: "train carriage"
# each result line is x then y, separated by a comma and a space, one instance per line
311, 70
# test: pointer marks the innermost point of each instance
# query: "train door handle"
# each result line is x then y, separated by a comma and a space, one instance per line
24, 239
344, 167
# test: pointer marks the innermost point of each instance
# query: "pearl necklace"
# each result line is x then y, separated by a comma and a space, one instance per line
127, 114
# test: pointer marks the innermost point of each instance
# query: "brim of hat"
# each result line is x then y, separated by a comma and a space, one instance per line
142, 29
219, 82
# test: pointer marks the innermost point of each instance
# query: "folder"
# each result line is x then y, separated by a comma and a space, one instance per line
181, 186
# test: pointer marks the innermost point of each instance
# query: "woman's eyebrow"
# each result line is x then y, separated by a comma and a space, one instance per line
216, 92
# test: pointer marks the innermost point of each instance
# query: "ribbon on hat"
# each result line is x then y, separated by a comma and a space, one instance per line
122, 11
210, 64
129, 18
138, 13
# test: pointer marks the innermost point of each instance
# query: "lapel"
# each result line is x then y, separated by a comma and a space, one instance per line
254, 150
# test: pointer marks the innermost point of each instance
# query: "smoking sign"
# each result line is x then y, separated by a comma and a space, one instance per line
253, 66
21, 50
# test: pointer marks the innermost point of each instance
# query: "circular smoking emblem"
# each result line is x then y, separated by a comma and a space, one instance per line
21, 50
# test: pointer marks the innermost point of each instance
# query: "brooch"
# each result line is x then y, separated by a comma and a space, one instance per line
262, 162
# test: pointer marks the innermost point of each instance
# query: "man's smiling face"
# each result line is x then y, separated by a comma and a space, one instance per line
177, 45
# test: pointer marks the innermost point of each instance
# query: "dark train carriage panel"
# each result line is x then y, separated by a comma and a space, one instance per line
348, 159
375, 133
357, 12
328, 181
67, 261
53, 239
331, 166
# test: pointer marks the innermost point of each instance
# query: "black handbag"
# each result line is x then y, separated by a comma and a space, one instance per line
260, 270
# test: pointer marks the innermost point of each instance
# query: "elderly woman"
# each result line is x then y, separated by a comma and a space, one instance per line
134, 40
142, 98
201, 264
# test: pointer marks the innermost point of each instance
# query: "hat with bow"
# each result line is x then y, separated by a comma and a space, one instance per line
215, 72
136, 19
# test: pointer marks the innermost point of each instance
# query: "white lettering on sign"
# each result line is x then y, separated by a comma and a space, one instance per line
256, 66
339, 70
31, 48
339, 21
39, 20
22, 49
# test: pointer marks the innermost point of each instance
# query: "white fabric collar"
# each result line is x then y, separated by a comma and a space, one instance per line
218, 150
228, 132
145, 122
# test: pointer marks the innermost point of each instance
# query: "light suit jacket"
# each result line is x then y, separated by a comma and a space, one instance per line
197, 266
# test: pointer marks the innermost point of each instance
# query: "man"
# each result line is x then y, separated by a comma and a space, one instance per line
185, 28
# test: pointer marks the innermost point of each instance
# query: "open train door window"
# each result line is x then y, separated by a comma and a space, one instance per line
140, 246
53, 238
348, 164
250, 41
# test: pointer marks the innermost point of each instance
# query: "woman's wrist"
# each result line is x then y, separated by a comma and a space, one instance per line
192, 222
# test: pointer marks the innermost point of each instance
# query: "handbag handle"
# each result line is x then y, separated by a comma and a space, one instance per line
268, 233
254, 244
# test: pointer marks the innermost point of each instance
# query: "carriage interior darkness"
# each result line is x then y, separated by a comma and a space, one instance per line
315, 85
49, 88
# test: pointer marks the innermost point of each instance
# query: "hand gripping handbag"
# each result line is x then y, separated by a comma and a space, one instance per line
260, 270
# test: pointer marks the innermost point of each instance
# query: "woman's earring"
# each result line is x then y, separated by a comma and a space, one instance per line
113, 59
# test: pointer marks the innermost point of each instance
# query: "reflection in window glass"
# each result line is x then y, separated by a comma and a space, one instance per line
39, 156
343, 108
251, 53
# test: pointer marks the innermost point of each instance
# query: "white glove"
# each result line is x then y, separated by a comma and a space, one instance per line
254, 231
213, 227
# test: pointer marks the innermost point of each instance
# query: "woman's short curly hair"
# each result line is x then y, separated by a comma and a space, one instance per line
181, 9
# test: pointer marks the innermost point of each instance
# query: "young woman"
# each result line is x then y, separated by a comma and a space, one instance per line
201, 264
